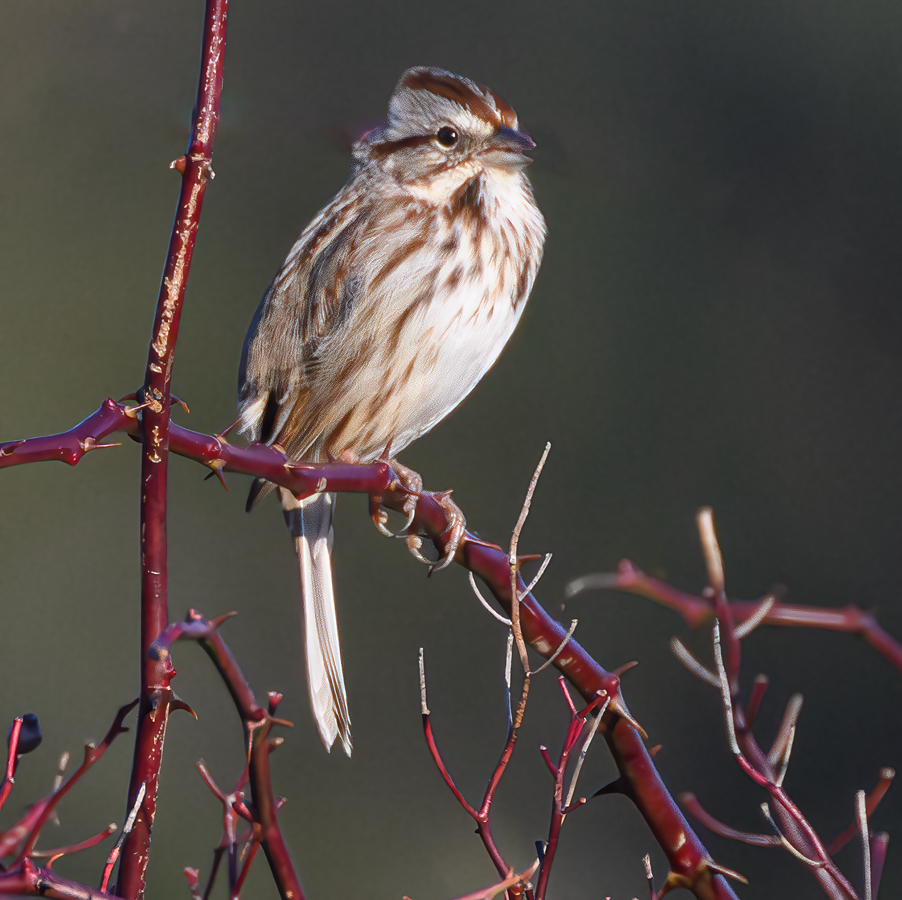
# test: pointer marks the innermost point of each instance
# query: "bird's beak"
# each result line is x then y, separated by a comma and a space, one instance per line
506, 148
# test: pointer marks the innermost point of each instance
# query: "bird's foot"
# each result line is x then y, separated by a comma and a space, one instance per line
410, 484
455, 528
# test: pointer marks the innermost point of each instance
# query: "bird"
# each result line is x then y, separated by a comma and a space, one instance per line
390, 307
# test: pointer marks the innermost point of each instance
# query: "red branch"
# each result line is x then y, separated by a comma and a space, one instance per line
195, 168
30, 880
21, 838
639, 779
766, 769
258, 723
574, 739
697, 610
481, 816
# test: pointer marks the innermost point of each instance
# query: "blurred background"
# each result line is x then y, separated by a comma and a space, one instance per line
717, 322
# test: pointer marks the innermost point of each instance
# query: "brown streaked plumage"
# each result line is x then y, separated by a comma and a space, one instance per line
392, 304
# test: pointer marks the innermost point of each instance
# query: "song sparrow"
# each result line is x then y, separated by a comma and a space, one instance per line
396, 299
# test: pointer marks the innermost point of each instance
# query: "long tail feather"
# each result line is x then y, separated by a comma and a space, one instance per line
310, 523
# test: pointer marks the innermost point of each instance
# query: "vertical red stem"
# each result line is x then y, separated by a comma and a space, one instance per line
154, 709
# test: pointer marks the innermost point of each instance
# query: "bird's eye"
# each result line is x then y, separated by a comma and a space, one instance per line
446, 136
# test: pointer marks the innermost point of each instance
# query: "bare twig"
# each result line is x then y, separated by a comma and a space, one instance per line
485, 603
872, 801
862, 815
560, 647
514, 565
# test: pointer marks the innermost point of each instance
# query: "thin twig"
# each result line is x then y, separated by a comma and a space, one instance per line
811, 863
683, 654
862, 815
512, 561
710, 549
781, 750
538, 576
582, 753
873, 801
485, 602
725, 695
423, 708
560, 647
126, 830
747, 626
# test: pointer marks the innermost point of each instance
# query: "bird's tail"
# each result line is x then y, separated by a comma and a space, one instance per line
310, 524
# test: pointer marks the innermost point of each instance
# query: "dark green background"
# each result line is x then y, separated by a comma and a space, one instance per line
717, 322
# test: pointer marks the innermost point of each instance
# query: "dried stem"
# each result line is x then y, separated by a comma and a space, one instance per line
515, 565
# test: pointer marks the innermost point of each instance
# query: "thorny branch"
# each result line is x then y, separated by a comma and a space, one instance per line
149, 422
698, 610
196, 169
258, 723
22, 876
639, 779
789, 827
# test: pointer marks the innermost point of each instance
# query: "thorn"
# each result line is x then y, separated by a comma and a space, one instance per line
181, 403
128, 397
179, 164
528, 557
223, 433
653, 751
89, 444
176, 702
216, 465
625, 667
215, 623
616, 705
132, 411
723, 870
275, 698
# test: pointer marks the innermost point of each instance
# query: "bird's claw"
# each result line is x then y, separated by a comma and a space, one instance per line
455, 528
414, 542
380, 517
411, 484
